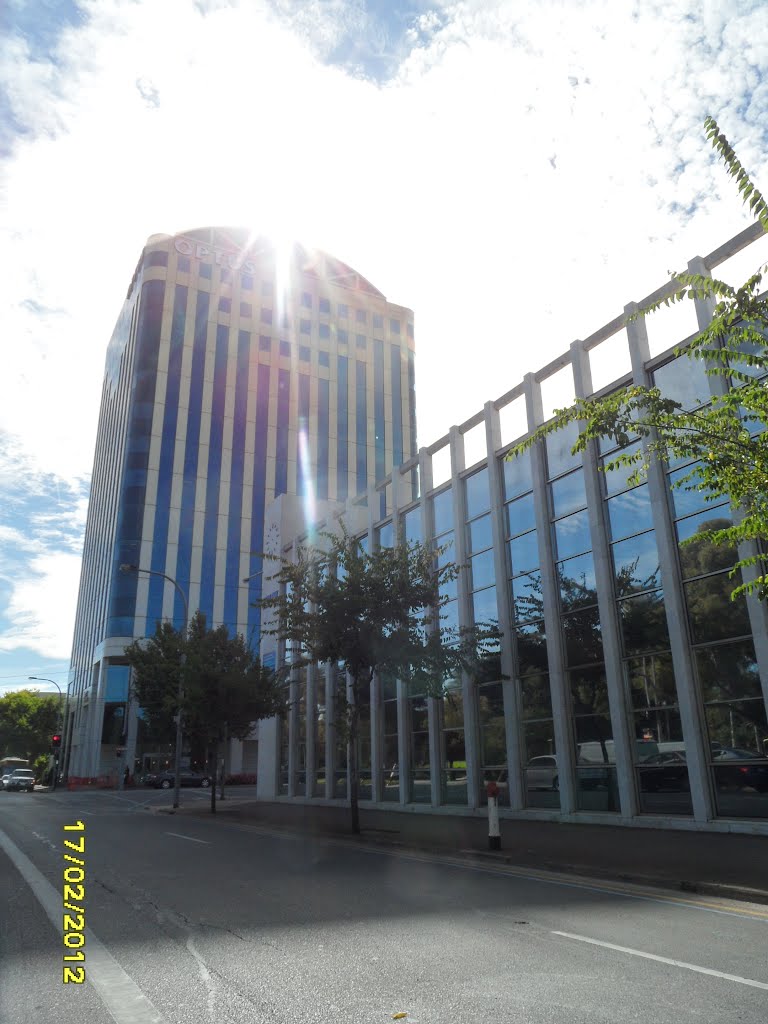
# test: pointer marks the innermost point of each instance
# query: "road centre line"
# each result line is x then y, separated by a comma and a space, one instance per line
119, 993
666, 960
508, 870
178, 835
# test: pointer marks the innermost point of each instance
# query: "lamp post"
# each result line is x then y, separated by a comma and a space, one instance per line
42, 679
179, 732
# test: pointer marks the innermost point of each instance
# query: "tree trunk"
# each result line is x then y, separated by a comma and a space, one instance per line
212, 772
354, 781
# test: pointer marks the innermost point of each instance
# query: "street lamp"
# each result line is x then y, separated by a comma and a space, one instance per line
42, 679
179, 733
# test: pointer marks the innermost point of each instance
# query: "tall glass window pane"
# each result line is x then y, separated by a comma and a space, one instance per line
568, 494
517, 475
478, 493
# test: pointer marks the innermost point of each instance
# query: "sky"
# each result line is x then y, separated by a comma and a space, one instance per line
515, 171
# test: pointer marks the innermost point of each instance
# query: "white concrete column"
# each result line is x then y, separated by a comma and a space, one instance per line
558, 683
510, 687
427, 532
674, 599
375, 690
468, 688
606, 600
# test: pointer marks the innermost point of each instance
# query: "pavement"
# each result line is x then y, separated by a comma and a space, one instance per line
727, 865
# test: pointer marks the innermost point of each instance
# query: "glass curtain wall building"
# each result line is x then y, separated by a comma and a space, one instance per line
237, 372
632, 688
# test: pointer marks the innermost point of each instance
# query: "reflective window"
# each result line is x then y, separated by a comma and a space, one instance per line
618, 479
728, 672
324, 305
412, 525
484, 607
306, 300
205, 270
225, 305
524, 553
685, 380
531, 648
324, 331
361, 316
483, 574
644, 623
305, 326
576, 580
360, 340
572, 534
394, 326
265, 344
568, 494
342, 336
700, 557
480, 533
304, 353
711, 612
266, 315
636, 564
183, 264
521, 515
323, 359
517, 475
378, 321
687, 497
387, 536
478, 493
343, 310
527, 601
442, 506
285, 348
246, 282
559, 445
583, 637
630, 513
246, 310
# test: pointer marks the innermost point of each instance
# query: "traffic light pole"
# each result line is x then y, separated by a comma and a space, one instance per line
56, 739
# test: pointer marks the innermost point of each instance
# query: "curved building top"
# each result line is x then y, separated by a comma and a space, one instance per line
242, 250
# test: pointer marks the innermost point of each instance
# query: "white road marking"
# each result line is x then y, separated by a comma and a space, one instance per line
666, 960
190, 838
122, 997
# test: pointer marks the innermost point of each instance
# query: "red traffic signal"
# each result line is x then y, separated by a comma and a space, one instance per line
55, 741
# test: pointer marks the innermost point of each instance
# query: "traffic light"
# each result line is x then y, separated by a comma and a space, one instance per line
55, 742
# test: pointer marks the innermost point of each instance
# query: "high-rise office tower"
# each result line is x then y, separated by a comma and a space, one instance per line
237, 371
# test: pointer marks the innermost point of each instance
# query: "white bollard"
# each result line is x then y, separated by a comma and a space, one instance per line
494, 835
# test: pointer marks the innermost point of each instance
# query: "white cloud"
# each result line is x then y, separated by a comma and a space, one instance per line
42, 607
529, 169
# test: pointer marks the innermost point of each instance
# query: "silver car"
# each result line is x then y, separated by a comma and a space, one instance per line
21, 780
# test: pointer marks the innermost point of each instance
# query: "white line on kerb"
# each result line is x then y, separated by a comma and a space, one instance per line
180, 836
666, 960
120, 994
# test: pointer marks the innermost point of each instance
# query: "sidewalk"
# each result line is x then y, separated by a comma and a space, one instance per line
729, 865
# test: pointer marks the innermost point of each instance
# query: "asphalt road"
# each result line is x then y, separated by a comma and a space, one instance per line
200, 921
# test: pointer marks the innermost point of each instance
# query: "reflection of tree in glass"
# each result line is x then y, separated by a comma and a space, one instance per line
491, 712
700, 556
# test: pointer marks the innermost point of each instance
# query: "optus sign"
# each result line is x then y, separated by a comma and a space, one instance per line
210, 254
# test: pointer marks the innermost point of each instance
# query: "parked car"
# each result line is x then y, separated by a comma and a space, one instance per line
732, 769
21, 780
166, 780
4, 778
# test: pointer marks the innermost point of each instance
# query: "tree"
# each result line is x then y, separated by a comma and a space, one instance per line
225, 687
727, 437
374, 613
27, 721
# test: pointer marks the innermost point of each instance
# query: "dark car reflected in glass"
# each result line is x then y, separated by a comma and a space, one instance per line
666, 771
737, 768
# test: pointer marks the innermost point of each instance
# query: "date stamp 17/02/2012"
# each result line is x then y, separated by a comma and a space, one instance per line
73, 925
